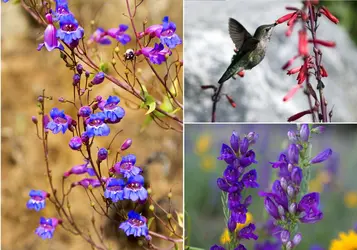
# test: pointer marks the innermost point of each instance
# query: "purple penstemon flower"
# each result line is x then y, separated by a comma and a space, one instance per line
156, 55
289, 202
234, 181
60, 121
37, 200
168, 35
134, 189
80, 169
127, 167
96, 126
119, 34
100, 36
50, 40
135, 225
86, 182
70, 32
114, 189
47, 227
322, 156
61, 8
112, 111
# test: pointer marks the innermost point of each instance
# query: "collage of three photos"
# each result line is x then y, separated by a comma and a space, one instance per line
178, 124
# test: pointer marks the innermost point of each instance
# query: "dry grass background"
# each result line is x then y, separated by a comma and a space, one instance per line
25, 72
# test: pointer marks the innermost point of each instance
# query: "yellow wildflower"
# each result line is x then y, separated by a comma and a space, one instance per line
225, 235
345, 241
203, 143
351, 199
208, 162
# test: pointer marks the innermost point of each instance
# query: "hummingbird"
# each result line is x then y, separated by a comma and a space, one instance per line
249, 50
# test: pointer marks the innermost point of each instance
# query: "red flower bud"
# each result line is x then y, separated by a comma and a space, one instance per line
241, 73
285, 18
303, 49
231, 101
323, 71
291, 93
288, 64
292, 19
328, 14
294, 70
299, 115
322, 42
291, 8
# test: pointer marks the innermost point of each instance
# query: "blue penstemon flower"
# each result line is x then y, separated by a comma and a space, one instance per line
37, 200
114, 189
47, 227
70, 32
127, 167
119, 34
135, 225
60, 122
96, 125
134, 189
168, 35
112, 111
156, 55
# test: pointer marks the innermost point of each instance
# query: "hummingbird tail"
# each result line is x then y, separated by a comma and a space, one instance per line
228, 74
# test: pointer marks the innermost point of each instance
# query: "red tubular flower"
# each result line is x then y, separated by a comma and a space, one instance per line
285, 18
231, 101
241, 73
302, 74
291, 8
328, 14
323, 71
288, 64
303, 49
291, 93
293, 71
322, 42
299, 115
292, 19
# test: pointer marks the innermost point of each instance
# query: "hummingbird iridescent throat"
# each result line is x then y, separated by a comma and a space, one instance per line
250, 50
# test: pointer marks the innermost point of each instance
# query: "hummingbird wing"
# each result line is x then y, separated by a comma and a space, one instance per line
238, 33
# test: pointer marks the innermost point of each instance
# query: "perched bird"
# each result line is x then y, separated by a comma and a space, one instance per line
250, 50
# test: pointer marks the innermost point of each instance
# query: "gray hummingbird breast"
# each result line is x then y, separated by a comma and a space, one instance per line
257, 55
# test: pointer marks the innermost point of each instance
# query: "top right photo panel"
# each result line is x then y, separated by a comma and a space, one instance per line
270, 61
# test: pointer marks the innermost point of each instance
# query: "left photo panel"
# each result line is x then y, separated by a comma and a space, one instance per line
92, 124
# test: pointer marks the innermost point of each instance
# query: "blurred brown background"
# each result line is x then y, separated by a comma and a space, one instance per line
25, 72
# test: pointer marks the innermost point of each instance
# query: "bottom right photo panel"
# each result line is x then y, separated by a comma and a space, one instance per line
270, 186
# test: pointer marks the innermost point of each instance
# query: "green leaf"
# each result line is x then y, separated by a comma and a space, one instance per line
104, 66
146, 123
151, 103
144, 91
150, 221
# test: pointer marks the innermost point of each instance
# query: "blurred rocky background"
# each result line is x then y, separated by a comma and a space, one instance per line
208, 51
25, 72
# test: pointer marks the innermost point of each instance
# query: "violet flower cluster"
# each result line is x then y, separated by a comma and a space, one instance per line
235, 180
288, 203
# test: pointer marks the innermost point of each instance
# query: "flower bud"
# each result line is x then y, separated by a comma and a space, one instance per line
281, 210
252, 137
297, 239
102, 154
292, 136
40, 99
126, 144
290, 167
85, 111
289, 245
304, 132
85, 138
290, 191
98, 78
75, 143
244, 146
293, 154
284, 236
98, 98
87, 74
79, 68
235, 141
283, 183
34, 119
296, 175
292, 208
318, 130
76, 79
322, 156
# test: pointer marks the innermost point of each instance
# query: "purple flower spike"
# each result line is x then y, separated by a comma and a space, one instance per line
134, 189
119, 34
47, 227
37, 200
135, 225
249, 179
234, 200
239, 214
222, 184
293, 154
110, 108
248, 232
216, 247
96, 125
240, 247
168, 35
227, 154
127, 167
70, 32
60, 121
156, 55
322, 156
50, 40
271, 208
304, 132
235, 141
75, 143
114, 189
231, 174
